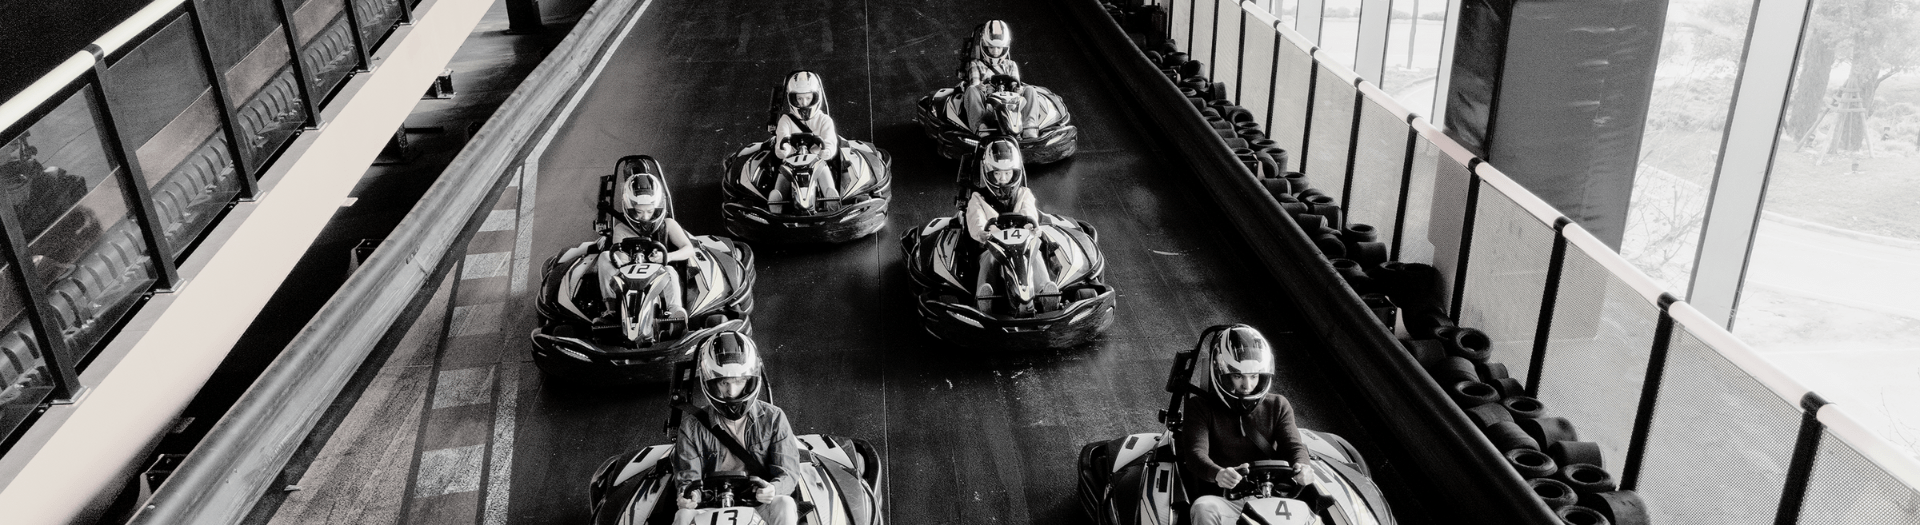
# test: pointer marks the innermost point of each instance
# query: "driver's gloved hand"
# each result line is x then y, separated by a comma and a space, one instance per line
688, 500
1229, 477
763, 491
1303, 474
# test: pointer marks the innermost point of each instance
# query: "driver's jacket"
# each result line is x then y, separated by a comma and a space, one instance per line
670, 235
821, 125
975, 110
981, 213
696, 451
1212, 438
980, 69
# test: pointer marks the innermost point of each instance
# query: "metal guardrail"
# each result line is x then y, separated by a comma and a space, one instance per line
1709, 430
223, 477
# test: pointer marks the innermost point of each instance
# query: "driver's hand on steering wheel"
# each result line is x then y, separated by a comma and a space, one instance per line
763, 491
1230, 477
689, 499
1303, 474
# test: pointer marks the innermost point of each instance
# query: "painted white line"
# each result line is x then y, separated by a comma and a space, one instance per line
467, 386
449, 471
500, 468
498, 221
475, 319
485, 265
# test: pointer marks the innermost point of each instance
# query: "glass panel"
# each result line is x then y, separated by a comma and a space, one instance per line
1720, 442
1226, 53
25, 380
1256, 78
1288, 11
1415, 240
249, 47
1332, 135
1829, 289
1379, 162
1597, 354
72, 207
1340, 30
1847, 488
1292, 85
162, 101
326, 45
1413, 53
1693, 88
1206, 14
1447, 215
376, 17
1181, 18
1506, 278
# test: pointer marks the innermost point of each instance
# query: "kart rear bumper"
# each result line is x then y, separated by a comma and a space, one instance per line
583, 358
1075, 323
842, 225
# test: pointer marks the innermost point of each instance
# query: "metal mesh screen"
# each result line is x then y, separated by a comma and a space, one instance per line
1447, 216
1847, 488
1413, 243
1720, 441
1596, 358
1291, 85
1506, 278
1226, 47
1379, 159
1332, 134
1205, 17
1256, 70
1180, 17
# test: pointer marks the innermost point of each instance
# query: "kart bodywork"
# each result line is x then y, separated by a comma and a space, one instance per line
1027, 310
863, 177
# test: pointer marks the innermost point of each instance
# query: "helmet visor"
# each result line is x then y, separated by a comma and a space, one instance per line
730, 389
1000, 176
803, 100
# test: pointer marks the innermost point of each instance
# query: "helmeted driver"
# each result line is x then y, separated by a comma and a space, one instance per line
990, 54
805, 112
1000, 188
1242, 422
805, 157
641, 211
731, 380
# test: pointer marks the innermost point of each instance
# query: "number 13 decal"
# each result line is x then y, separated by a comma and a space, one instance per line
733, 517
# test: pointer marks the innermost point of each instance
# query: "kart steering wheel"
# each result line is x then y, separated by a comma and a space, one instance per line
1274, 475
728, 488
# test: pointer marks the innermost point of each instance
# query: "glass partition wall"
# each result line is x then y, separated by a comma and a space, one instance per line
1693, 419
111, 181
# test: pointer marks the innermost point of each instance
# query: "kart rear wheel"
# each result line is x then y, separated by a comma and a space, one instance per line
1047, 304
1082, 294
714, 320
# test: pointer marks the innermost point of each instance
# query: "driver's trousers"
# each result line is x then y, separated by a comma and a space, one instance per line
780, 511
1215, 510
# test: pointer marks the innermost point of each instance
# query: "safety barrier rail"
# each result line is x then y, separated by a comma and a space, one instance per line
121, 158
1710, 432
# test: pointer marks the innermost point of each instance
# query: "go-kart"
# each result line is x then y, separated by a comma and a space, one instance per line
603, 306
776, 199
1138, 479
1046, 283
835, 485
1033, 115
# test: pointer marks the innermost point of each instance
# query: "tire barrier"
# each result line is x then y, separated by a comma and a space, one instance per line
1578, 515
1530, 463
1586, 478
1554, 493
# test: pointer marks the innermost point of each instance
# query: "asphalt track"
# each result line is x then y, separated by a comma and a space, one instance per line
966, 436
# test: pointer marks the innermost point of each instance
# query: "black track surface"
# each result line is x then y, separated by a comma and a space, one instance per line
966, 436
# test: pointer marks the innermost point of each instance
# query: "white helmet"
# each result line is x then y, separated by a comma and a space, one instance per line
994, 40
729, 355
1001, 169
643, 202
1238, 349
805, 94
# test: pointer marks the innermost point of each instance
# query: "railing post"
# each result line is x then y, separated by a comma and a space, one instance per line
1353, 150
1549, 296
249, 188
1649, 395
13, 244
1465, 253
300, 74
1805, 449
1240, 60
1306, 122
135, 179
1273, 85
1406, 186
359, 41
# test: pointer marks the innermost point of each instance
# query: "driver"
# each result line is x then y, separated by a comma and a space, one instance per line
988, 56
730, 377
1009, 91
805, 112
641, 209
1241, 423
803, 154
999, 188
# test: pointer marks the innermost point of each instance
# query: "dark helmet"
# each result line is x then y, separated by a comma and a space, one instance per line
1237, 349
729, 355
1001, 169
805, 93
993, 40
643, 202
